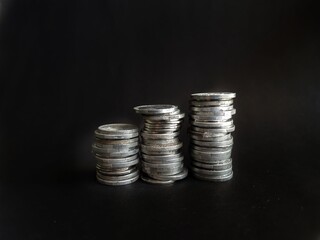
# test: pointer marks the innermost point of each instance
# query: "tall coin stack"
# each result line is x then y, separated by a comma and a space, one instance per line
211, 140
161, 157
116, 149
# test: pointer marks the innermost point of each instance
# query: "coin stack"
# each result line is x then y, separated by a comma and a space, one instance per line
211, 140
161, 157
116, 149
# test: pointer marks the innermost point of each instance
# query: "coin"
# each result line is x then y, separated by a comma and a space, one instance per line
118, 182
211, 103
213, 96
220, 165
179, 176
155, 109
213, 178
147, 179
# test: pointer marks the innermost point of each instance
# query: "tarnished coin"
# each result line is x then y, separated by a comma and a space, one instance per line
117, 165
172, 141
211, 103
115, 136
209, 131
213, 96
169, 160
116, 160
163, 158
117, 171
179, 176
147, 135
209, 172
212, 109
147, 179
220, 165
118, 178
122, 152
210, 157
118, 182
210, 117
155, 109
216, 124
118, 128
213, 144
222, 178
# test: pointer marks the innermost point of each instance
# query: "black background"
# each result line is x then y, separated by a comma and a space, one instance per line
69, 66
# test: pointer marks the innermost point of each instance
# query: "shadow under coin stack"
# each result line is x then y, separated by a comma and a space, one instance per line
162, 160
211, 140
116, 149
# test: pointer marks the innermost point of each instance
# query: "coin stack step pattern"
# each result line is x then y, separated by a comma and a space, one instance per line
116, 149
161, 157
211, 125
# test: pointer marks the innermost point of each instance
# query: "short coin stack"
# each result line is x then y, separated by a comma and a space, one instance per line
211, 140
162, 160
116, 149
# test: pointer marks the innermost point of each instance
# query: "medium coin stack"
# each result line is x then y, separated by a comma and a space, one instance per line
161, 157
116, 149
211, 140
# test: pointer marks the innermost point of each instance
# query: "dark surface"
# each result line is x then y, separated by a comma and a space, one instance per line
69, 66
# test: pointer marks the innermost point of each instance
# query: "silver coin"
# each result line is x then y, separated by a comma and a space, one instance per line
219, 137
212, 109
207, 135
161, 142
116, 147
159, 131
207, 172
118, 182
179, 176
210, 157
146, 135
115, 160
116, 141
173, 121
154, 181
210, 117
117, 171
208, 131
226, 143
161, 165
160, 171
162, 125
164, 158
117, 154
221, 165
113, 152
118, 129
211, 150
214, 178
155, 109
211, 103
167, 118
206, 124
216, 113
159, 152
213, 96
101, 165
115, 136
170, 160
118, 178
161, 147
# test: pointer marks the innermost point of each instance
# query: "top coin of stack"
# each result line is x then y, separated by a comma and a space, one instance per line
116, 149
162, 161
211, 140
